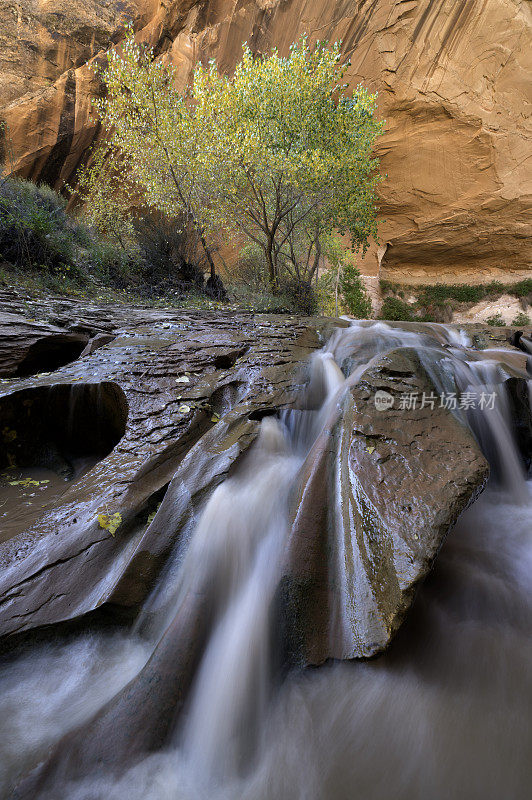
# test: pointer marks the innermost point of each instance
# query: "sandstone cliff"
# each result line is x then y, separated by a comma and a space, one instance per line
453, 78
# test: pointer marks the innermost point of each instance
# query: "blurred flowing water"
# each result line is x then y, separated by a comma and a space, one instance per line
445, 713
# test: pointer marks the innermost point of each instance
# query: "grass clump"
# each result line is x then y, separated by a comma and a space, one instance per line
521, 319
496, 321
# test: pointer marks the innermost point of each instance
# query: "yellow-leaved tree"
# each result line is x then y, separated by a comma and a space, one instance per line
278, 152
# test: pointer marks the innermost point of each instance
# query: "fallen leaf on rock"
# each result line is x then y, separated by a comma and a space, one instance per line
27, 482
110, 522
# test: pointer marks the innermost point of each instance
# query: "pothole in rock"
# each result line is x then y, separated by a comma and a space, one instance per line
50, 436
229, 358
51, 353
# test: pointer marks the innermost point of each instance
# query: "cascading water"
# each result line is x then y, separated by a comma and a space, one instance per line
442, 714
240, 540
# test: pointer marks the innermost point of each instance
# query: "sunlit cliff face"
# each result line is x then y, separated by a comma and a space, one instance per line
454, 98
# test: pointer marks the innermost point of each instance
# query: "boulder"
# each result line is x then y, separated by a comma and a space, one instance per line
377, 495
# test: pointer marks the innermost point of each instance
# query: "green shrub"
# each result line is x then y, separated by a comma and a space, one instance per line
354, 294
35, 230
440, 294
522, 288
521, 319
110, 263
495, 289
395, 309
496, 320
385, 286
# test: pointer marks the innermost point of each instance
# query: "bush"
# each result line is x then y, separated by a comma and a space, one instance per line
521, 319
395, 309
496, 320
170, 254
35, 230
250, 287
354, 292
300, 296
60, 252
440, 294
250, 268
110, 263
522, 288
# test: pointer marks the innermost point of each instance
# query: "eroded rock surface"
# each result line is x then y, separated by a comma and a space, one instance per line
180, 374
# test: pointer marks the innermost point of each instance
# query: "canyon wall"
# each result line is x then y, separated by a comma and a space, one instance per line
453, 78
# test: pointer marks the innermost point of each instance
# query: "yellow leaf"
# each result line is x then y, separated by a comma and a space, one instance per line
110, 522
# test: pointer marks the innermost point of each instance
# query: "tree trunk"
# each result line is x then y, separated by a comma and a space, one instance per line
268, 252
336, 287
208, 254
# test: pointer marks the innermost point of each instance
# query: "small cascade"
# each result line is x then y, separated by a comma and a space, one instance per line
492, 424
240, 539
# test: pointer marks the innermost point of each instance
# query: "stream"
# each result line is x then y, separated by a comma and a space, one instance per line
445, 713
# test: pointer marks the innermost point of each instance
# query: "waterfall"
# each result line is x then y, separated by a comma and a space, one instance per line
442, 714
240, 537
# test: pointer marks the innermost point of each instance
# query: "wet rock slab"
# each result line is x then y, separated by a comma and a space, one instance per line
176, 376
377, 496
